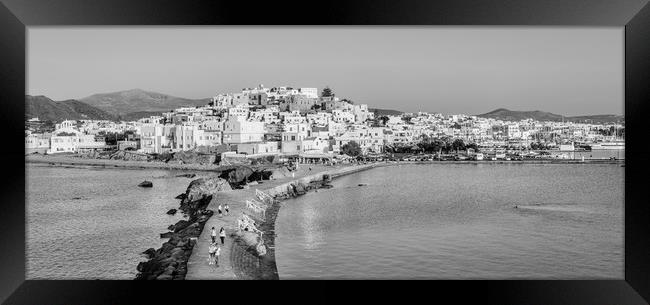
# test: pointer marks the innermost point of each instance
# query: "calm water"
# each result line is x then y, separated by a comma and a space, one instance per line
458, 221
93, 223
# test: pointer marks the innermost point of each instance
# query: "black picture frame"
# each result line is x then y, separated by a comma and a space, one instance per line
633, 15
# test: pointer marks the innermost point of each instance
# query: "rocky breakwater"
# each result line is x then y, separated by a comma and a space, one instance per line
240, 175
169, 262
254, 258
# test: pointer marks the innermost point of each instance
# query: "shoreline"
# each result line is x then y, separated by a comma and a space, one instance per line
63, 161
68, 160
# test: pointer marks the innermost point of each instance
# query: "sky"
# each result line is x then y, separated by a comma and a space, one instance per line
471, 70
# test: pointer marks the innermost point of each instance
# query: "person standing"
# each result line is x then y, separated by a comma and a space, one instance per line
216, 255
214, 234
227, 209
222, 235
219, 209
212, 252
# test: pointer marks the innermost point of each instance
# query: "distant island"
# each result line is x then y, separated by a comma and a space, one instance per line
510, 115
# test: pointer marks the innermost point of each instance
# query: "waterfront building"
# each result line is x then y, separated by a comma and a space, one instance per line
155, 137
270, 147
237, 131
37, 142
67, 140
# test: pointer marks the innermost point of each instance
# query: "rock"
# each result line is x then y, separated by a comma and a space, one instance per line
204, 187
166, 235
171, 228
148, 267
169, 270
239, 174
181, 224
177, 253
362, 184
300, 189
164, 277
171, 212
151, 252
146, 184
181, 196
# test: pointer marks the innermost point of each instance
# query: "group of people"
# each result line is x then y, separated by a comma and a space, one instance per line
214, 250
222, 208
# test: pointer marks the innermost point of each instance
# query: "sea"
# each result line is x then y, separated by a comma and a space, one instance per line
94, 223
458, 221
433, 221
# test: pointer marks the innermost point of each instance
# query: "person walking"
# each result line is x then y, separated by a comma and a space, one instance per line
227, 209
212, 250
214, 234
219, 209
216, 255
222, 235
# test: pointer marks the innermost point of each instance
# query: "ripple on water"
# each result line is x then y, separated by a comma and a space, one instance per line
101, 235
458, 222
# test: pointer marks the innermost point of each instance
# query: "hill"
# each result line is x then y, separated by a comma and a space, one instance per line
47, 109
379, 112
138, 100
600, 118
510, 115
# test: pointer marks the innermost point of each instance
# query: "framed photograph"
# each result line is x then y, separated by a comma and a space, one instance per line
486, 146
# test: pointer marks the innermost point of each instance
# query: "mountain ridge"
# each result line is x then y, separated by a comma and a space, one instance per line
122, 103
538, 115
48, 110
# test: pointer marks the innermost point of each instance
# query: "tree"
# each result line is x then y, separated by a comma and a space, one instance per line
348, 101
473, 146
458, 144
327, 92
384, 119
351, 149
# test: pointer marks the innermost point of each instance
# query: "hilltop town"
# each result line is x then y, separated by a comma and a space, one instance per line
309, 124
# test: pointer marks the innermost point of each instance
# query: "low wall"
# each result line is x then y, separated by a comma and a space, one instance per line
283, 189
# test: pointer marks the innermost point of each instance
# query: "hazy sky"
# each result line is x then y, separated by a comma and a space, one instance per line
565, 70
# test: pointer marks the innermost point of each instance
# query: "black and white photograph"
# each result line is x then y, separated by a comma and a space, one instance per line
316, 152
